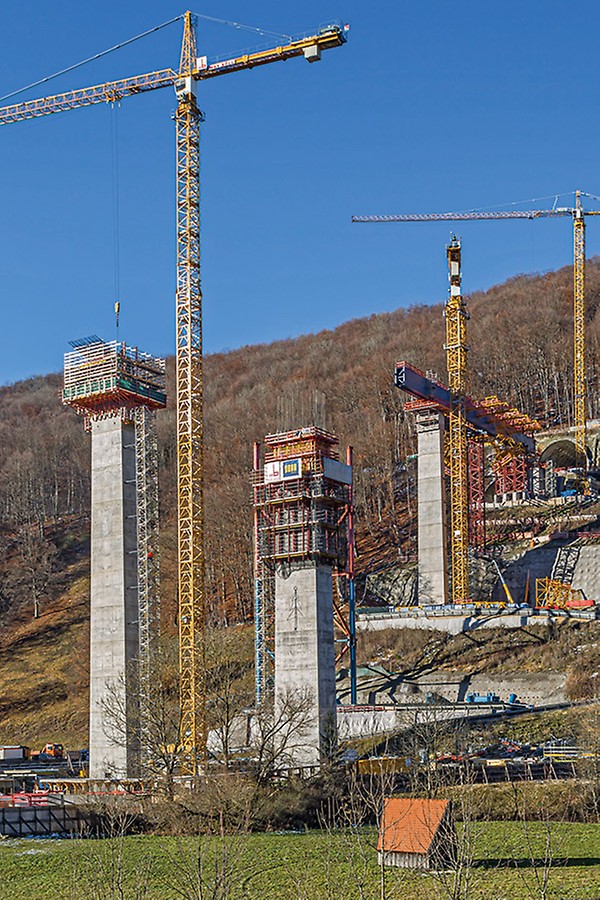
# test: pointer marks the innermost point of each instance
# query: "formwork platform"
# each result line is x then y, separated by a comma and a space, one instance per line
101, 377
302, 514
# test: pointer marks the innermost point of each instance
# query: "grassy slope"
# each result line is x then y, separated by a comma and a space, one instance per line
569, 646
315, 865
44, 678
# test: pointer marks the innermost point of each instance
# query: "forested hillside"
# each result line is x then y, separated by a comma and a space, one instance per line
520, 334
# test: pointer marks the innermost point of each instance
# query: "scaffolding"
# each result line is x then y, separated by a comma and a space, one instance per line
476, 487
510, 476
148, 568
106, 378
302, 513
553, 594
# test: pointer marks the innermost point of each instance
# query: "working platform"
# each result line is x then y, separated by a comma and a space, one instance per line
489, 416
103, 376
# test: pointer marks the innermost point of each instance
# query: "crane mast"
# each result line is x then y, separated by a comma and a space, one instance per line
190, 444
579, 387
456, 361
190, 463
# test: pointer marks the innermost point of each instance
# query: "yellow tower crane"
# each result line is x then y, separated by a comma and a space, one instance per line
192, 69
456, 362
578, 215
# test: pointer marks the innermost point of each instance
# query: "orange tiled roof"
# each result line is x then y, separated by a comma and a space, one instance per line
409, 825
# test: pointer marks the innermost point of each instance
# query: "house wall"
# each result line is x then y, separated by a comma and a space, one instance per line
405, 860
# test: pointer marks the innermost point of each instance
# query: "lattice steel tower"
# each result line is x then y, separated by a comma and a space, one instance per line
456, 361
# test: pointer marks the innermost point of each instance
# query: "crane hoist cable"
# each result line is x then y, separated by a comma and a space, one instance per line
90, 59
116, 199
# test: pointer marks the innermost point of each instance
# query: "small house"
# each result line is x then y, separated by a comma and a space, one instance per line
417, 834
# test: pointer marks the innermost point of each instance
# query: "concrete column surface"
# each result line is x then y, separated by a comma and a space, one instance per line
114, 613
305, 660
431, 532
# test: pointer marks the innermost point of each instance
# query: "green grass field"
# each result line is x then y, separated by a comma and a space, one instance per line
508, 863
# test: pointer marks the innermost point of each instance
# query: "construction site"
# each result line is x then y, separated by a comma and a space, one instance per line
497, 530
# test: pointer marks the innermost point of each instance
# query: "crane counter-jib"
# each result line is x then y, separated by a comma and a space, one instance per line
101, 93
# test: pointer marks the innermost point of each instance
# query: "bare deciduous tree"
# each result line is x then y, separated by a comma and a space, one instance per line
37, 557
157, 734
279, 732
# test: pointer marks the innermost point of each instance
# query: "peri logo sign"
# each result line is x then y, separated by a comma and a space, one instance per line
283, 469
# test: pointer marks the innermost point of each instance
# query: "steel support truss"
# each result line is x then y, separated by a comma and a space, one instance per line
476, 468
510, 475
553, 594
580, 410
146, 454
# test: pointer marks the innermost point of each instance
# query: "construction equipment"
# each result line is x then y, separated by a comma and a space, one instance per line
509, 596
553, 594
578, 215
456, 362
189, 326
49, 751
490, 420
507, 428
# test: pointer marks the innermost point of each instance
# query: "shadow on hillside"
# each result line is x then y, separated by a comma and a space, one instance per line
48, 633
535, 863
534, 563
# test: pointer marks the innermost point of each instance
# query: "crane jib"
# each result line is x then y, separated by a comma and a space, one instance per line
466, 216
126, 87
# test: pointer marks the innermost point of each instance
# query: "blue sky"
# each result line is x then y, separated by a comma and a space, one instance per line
430, 106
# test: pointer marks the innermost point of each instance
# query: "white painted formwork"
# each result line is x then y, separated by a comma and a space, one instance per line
357, 722
114, 601
305, 659
457, 624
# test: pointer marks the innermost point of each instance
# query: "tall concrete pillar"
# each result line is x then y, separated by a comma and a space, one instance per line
114, 602
433, 563
305, 660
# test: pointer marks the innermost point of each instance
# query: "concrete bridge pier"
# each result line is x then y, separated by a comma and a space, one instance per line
114, 599
433, 563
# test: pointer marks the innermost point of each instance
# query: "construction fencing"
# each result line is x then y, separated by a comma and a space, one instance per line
31, 821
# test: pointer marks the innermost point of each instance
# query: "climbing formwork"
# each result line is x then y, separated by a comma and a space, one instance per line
302, 514
106, 378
